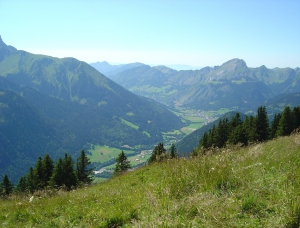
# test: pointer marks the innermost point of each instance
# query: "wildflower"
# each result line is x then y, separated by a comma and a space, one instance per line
31, 199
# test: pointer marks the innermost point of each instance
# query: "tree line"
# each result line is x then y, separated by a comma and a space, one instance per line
62, 174
252, 129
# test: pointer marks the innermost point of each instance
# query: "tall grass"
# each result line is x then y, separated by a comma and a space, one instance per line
256, 186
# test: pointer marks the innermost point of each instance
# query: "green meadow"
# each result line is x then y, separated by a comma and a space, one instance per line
104, 153
254, 186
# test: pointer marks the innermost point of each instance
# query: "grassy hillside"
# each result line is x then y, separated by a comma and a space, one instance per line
256, 186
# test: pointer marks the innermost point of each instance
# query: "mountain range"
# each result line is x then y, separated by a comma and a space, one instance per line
111, 70
74, 105
232, 85
52, 105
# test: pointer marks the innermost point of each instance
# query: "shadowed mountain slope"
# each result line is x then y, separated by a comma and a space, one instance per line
84, 106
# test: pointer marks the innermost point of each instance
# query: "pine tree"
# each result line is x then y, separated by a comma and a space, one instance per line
47, 166
69, 174
21, 185
31, 181
204, 141
286, 123
83, 173
6, 187
235, 121
57, 175
212, 137
262, 124
39, 174
296, 115
173, 152
238, 135
122, 164
249, 127
64, 174
221, 133
274, 125
158, 153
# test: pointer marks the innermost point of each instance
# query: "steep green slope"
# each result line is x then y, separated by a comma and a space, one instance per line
256, 186
24, 135
70, 130
71, 80
82, 104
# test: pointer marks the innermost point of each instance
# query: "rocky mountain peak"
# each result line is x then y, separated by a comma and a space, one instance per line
234, 64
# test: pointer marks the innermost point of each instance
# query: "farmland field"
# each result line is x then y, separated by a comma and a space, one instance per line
105, 153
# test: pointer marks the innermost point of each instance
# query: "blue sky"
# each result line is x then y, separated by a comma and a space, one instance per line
196, 33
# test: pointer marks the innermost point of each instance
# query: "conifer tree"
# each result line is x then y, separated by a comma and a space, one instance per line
122, 164
235, 121
47, 166
57, 178
173, 152
249, 127
83, 172
39, 174
158, 153
64, 174
221, 133
262, 124
238, 135
31, 181
204, 141
296, 115
21, 185
69, 174
286, 123
274, 125
211, 137
6, 187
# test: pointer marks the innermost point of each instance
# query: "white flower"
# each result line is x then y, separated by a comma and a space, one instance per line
31, 199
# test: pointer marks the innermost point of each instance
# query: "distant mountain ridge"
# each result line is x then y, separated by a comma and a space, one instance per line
232, 85
111, 70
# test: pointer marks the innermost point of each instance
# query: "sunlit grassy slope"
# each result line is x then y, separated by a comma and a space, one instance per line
257, 186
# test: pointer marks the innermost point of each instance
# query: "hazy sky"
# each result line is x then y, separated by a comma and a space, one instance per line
191, 32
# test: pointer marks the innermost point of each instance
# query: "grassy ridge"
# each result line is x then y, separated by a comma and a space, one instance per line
257, 186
